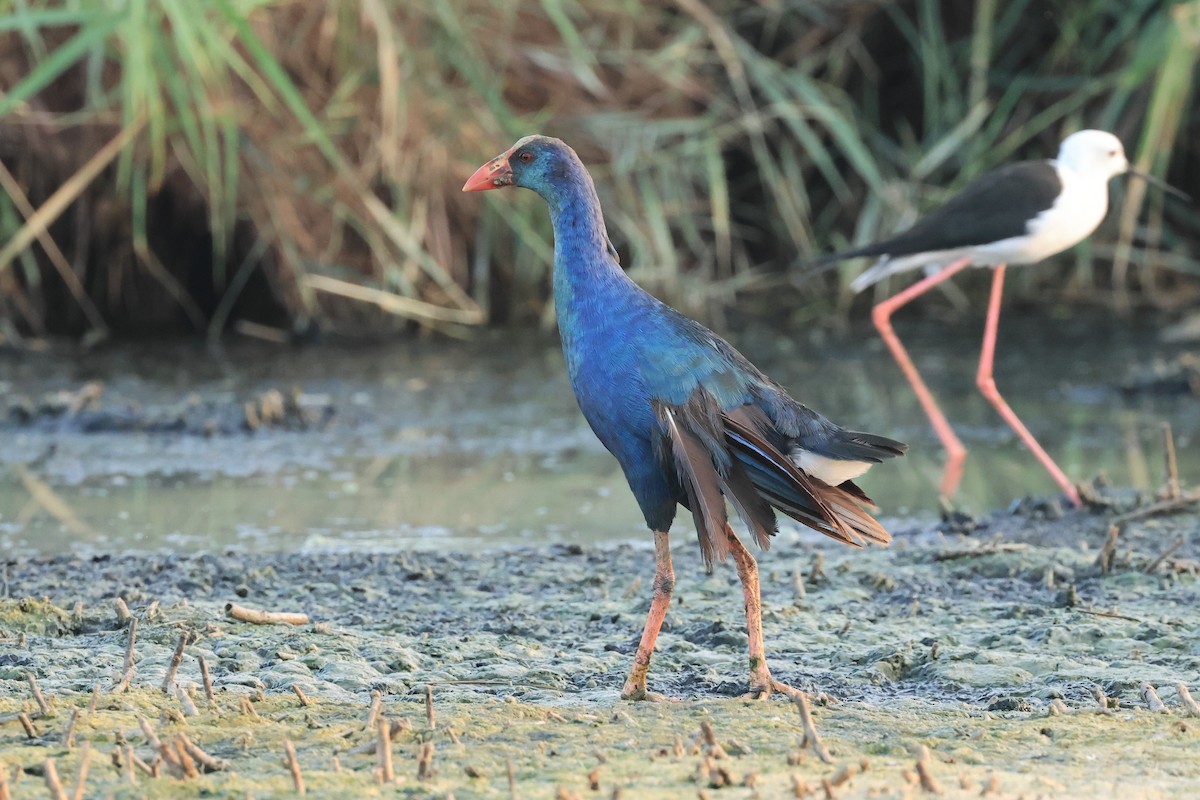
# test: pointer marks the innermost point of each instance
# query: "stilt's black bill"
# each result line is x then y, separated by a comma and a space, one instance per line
1161, 184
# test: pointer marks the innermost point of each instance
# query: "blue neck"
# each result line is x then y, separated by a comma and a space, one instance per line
586, 273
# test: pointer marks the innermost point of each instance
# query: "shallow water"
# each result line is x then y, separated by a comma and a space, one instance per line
480, 442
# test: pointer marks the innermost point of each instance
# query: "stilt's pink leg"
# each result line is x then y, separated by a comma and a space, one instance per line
660, 601
987, 385
956, 454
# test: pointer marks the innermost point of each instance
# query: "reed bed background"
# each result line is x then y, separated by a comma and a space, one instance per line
295, 166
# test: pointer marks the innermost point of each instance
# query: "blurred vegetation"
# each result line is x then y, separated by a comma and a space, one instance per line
288, 166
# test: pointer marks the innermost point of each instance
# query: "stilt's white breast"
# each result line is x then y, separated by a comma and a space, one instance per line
1077, 212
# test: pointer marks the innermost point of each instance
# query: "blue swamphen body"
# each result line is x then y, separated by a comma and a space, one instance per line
689, 419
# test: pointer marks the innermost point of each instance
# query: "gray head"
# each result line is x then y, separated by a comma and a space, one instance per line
541, 163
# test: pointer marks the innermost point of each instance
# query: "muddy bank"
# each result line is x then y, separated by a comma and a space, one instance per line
986, 640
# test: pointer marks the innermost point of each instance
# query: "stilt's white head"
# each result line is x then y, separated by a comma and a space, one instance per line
1096, 154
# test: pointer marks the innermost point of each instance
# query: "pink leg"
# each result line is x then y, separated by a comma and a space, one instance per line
660, 601
987, 385
881, 316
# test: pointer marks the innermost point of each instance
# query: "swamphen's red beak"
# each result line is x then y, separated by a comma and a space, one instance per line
495, 174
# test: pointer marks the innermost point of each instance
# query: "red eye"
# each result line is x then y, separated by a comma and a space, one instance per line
525, 157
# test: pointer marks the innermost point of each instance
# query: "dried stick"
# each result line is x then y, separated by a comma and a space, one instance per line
206, 679
1109, 551
300, 694
50, 773
1152, 567
68, 735
258, 617
176, 660
294, 766
811, 737
91, 708
151, 737
210, 762
1173, 491
123, 614
185, 700
1185, 697
928, 783
127, 670
85, 755
4, 793
129, 761
429, 717
1151, 699
425, 769
373, 713
38, 697
383, 750
247, 708
185, 758
27, 724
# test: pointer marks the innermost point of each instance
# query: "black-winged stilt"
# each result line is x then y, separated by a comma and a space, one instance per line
1017, 214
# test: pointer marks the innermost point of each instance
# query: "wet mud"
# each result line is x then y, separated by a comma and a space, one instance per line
1032, 651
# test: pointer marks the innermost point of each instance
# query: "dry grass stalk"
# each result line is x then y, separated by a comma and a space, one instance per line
49, 500
38, 222
383, 750
563, 793
206, 679
294, 767
27, 724
176, 660
512, 780
85, 755
799, 787
429, 716
337, 764
53, 785
60, 262
4, 792
1152, 700
68, 735
91, 707
300, 694
925, 772
828, 787
148, 731
1185, 697
259, 617
394, 303
991, 785
38, 697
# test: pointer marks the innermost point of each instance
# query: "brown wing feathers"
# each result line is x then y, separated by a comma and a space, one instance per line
727, 456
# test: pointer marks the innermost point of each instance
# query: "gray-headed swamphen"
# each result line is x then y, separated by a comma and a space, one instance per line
690, 420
